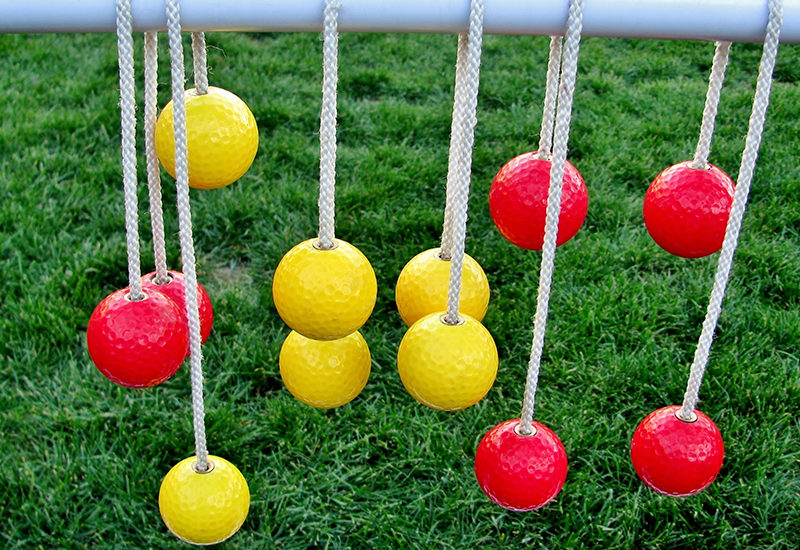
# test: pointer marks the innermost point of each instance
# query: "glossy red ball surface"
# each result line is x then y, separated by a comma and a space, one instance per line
137, 344
520, 473
518, 201
686, 210
674, 457
176, 289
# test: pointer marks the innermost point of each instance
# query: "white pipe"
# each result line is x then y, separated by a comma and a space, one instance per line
734, 20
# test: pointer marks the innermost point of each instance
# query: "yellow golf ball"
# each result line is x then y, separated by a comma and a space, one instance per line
424, 282
324, 294
204, 508
325, 373
221, 135
447, 367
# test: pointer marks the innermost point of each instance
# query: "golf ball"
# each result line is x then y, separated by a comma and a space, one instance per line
518, 201
675, 457
686, 209
520, 472
137, 343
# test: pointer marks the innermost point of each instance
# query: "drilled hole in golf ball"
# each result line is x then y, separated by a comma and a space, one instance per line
208, 470
459, 321
318, 245
519, 432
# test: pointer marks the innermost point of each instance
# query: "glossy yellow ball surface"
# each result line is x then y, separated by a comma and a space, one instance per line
204, 508
424, 282
325, 373
324, 294
221, 134
447, 367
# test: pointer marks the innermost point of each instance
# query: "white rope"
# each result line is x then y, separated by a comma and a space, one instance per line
550, 95
715, 81
467, 137
200, 62
327, 125
566, 91
153, 172
456, 144
185, 226
127, 91
749, 156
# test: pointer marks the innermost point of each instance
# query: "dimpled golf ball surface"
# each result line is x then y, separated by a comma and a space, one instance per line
204, 508
324, 294
176, 289
520, 473
447, 367
221, 134
674, 457
518, 201
686, 210
137, 343
424, 282
325, 373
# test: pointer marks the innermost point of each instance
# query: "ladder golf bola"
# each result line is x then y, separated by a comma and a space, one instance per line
325, 289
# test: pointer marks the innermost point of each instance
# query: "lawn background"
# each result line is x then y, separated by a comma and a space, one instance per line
83, 458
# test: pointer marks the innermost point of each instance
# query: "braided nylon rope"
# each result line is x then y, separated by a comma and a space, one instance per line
749, 156
153, 172
456, 139
200, 62
185, 227
715, 81
461, 192
566, 91
550, 95
127, 91
327, 125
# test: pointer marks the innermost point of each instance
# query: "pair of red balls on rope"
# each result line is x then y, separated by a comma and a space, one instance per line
686, 211
142, 343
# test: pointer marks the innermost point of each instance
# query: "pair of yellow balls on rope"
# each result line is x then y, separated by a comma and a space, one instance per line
222, 139
444, 366
325, 295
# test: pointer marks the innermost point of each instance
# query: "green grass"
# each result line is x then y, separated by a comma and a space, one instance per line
83, 458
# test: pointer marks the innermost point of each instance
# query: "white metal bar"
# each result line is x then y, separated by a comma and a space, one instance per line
733, 20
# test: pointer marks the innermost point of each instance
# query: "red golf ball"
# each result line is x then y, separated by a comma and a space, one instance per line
675, 457
517, 472
137, 344
686, 209
176, 289
518, 201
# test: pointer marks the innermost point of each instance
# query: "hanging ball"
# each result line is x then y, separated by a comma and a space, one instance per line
137, 344
447, 367
675, 457
221, 134
519, 472
324, 294
175, 288
518, 201
325, 373
424, 283
204, 508
686, 209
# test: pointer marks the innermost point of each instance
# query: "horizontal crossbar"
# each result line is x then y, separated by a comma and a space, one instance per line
734, 20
